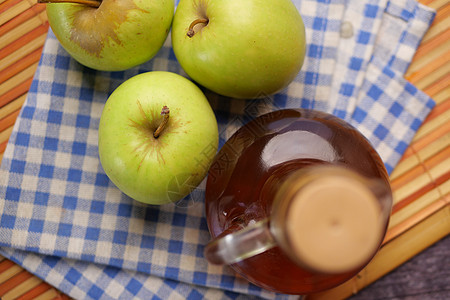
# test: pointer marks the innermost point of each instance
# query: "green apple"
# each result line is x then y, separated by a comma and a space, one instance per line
239, 48
157, 137
116, 35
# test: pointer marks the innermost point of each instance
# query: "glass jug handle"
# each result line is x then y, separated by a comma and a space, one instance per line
236, 246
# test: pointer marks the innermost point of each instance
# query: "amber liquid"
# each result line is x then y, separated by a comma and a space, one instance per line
252, 165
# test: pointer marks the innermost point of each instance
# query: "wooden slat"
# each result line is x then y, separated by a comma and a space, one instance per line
420, 185
428, 181
415, 219
442, 95
439, 25
21, 65
11, 8
434, 197
436, 4
421, 61
22, 76
434, 72
426, 140
12, 107
425, 77
436, 30
8, 121
50, 294
18, 284
12, 94
24, 16
4, 135
438, 86
417, 144
29, 41
407, 204
12, 282
436, 42
433, 124
440, 108
5, 265
419, 168
11, 271
417, 157
21, 287
37, 291
22, 29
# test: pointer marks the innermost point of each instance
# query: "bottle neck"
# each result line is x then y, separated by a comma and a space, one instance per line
329, 219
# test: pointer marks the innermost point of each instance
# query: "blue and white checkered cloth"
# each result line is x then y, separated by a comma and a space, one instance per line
63, 220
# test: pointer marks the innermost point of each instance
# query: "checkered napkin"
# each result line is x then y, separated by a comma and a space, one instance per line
62, 219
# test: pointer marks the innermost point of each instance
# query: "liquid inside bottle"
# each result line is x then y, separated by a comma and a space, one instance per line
253, 165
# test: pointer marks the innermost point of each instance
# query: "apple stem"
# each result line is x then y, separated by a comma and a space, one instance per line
165, 113
191, 31
91, 3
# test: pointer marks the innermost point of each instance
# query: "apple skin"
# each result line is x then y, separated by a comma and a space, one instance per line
248, 49
166, 169
118, 35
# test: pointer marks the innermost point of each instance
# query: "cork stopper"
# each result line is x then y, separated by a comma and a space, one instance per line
333, 225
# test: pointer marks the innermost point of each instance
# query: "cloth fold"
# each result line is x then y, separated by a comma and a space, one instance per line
63, 220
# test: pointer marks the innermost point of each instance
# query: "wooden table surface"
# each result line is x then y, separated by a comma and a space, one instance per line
414, 262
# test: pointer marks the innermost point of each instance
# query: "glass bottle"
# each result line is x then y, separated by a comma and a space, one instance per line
297, 201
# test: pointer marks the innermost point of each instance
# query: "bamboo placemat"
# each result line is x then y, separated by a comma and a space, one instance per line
421, 212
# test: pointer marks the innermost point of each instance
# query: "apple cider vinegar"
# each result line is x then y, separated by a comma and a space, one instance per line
305, 194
